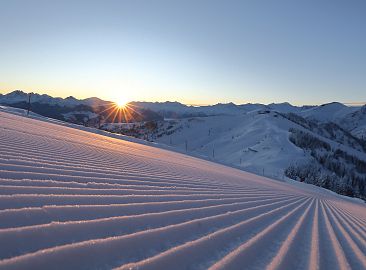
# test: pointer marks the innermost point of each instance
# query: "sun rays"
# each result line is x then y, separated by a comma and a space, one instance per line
120, 112
121, 103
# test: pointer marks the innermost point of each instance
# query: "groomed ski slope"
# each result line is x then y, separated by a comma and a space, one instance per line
71, 199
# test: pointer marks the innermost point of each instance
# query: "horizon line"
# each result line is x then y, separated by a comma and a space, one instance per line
351, 103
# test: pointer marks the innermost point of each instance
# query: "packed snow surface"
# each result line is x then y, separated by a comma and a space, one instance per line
72, 199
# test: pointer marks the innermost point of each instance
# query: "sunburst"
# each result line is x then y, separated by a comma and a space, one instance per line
121, 111
121, 103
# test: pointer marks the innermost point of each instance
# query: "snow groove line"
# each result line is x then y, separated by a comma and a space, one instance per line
122, 167
46, 147
345, 211
314, 252
35, 200
13, 190
339, 255
46, 214
351, 209
281, 261
356, 222
89, 173
344, 237
70, 165
81, 171
161, 208
60, 159
128, 180
103, 185
100, 185
19, 176
63, 163
356, 231
99, 252
243, 254
62, 233
197, 253
55, 159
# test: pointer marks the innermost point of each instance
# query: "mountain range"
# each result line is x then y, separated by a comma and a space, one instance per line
352, 118
322, 145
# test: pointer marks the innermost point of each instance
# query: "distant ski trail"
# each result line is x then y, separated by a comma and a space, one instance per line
71, 199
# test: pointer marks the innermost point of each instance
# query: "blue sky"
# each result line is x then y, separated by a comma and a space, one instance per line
196, 52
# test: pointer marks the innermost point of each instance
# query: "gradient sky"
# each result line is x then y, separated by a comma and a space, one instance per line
195, 52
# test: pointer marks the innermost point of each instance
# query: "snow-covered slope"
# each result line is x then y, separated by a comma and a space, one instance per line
256, 141
330, 112
71, 199
355, 122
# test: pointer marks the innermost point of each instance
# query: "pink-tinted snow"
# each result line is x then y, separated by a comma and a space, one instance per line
71, 199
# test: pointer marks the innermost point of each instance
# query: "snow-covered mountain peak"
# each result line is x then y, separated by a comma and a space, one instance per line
328, 112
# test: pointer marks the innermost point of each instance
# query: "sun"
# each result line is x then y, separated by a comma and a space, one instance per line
121, 103
120, 110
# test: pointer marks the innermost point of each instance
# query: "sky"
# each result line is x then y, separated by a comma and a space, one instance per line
194, 52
